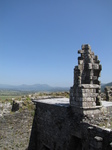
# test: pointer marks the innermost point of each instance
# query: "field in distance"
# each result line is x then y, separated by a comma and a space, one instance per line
9, 94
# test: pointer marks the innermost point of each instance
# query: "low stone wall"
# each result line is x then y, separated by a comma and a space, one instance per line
60, 128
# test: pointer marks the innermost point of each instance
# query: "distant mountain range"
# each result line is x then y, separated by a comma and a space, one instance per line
35, 87
41, 87
104, 85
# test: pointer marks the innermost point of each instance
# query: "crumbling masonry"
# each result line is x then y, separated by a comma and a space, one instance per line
85, 92
63, 124
108, 92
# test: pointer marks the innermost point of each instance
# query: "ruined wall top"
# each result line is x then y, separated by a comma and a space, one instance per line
88, 69
108, 92
86, 87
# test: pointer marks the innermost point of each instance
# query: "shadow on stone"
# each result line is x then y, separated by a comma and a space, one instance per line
15, 106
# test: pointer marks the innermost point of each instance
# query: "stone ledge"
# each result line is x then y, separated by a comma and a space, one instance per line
87, 108
89, 86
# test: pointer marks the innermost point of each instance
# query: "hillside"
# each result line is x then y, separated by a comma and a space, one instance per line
41, 87
35, 87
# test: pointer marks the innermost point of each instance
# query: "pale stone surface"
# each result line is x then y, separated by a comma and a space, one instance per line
106, 104
65, 101
54, 101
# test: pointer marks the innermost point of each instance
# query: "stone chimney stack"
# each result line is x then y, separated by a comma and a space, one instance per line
85, 93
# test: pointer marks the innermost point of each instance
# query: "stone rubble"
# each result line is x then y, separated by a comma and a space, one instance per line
5, 108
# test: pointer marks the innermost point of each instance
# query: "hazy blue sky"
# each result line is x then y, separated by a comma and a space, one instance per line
39, 39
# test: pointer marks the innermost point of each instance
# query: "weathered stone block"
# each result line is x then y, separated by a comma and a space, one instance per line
98, 142
87, 99
87, 90
80, 51
86, 84
80, 62
95, 66
85, 46
90, 66
94, 77
87, 104
89, 95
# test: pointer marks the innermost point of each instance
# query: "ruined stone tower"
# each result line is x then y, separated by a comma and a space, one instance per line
85, 93
60, 125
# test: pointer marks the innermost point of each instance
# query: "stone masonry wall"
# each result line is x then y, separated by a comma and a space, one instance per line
108, 91
85, 92
68, 127
60, 128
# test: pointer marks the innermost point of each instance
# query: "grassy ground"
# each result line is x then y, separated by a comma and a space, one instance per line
7, 94
15, 127
8, 97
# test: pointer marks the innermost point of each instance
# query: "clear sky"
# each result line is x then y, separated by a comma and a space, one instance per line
39, 39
